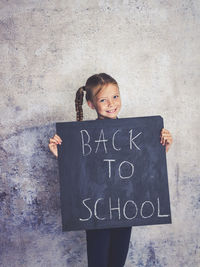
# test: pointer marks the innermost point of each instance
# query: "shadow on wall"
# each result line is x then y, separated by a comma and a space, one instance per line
30, 193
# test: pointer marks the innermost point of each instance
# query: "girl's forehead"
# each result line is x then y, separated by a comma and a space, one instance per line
106, 90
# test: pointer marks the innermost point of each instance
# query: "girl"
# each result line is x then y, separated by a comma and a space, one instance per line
105, 247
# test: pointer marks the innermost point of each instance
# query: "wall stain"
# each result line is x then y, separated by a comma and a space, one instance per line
152, 260
177, 180
3, 196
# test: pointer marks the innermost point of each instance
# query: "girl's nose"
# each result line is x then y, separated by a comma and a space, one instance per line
110, 103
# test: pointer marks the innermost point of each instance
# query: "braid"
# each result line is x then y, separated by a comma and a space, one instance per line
79, 103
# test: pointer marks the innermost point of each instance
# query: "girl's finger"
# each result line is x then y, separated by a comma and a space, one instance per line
53, 141
164, 130
167, 141
166, 134
57, 138
166, 137
163, 141
161, 138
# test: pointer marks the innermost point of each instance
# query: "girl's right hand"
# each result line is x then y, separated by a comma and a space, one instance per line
53, 142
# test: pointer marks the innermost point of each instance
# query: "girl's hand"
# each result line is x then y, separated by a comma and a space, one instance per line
53, 142
165, 138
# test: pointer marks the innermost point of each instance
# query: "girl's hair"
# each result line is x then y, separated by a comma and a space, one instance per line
96, 81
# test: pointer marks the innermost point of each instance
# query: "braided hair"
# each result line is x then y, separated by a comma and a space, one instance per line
96, 81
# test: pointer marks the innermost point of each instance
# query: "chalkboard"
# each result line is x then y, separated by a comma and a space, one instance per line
113, 173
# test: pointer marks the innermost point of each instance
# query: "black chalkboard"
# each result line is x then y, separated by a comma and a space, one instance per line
113, 173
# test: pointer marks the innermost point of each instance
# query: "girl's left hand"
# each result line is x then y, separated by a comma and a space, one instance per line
165, 138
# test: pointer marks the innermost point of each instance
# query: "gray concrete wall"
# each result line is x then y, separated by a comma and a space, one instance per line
48, 49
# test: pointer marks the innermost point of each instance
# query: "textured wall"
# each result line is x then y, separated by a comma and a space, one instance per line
48, 49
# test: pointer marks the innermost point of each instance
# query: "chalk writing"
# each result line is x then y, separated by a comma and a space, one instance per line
85, 140
120, 209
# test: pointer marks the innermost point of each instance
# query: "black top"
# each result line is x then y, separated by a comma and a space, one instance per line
106, 118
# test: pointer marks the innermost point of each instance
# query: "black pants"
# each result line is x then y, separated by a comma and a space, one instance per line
107, 247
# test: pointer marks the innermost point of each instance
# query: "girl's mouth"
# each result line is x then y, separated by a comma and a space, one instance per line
112, 110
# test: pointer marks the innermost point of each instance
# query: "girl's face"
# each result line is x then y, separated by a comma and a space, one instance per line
107, 102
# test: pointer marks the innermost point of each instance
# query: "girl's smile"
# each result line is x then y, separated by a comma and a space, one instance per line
111, 111
107, 102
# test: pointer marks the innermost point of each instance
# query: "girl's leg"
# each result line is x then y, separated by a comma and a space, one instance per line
120, 238
98, 242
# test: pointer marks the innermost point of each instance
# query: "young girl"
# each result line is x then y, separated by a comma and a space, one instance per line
105, 247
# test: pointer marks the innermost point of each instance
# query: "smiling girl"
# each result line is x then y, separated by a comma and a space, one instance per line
105, 247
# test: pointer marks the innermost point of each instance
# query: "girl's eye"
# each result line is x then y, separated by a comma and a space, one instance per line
115, 96
102, 100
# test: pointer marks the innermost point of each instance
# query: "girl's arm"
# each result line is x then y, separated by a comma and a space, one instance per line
166, 138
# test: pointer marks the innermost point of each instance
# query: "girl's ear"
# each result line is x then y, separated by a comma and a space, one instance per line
90, 104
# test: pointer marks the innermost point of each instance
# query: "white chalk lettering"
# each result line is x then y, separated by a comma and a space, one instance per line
101, 141
131, 139
85, 144
121, 209
85, 139
124, 210
95, 209
88, 209
142, 207
117, 208
109, 166
132, 168
161, 215
113, 141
